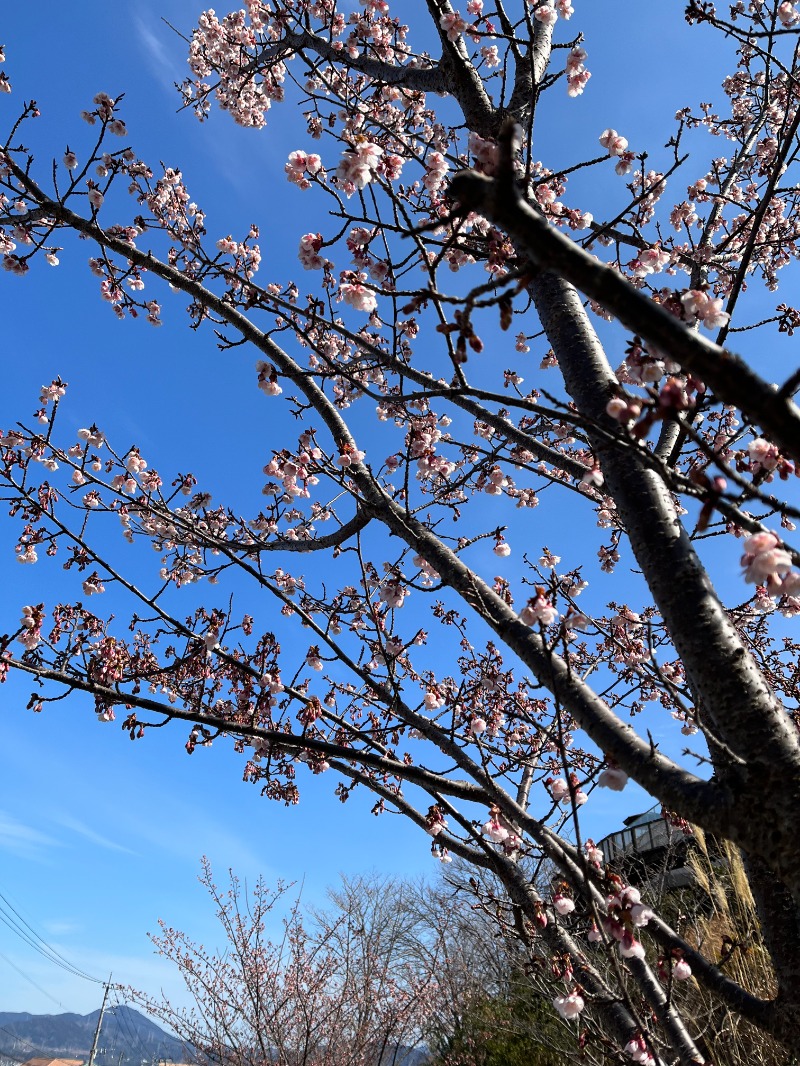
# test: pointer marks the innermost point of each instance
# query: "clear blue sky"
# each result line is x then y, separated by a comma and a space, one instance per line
99, 837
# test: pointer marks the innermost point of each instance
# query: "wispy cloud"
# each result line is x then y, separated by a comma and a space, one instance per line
23, 840
161, 60
74, 825
61, 928
219, 842
238, 155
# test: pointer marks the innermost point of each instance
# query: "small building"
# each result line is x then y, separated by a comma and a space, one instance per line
54, 1062
649, 851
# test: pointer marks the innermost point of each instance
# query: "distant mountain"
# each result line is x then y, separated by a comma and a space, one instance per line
127, 1038
405, 1056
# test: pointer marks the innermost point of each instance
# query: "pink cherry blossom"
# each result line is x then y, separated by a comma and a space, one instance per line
358, 296
358, 165
268, 379
436, 168
650, 261
630, 948
614, 778
775, 563
613, 142
435, 821
490, 55
393, 594
563, 905
545, 13
350, 456
433, 700
641, 914
495, 831
559, 790
636, 1049
577, 74
538, 609
705, 309
453, 25
763, 559
760, 542
575, 59
569, 1006
308, 254
300, 165
314, 661
763, 455
485, 152
93, 585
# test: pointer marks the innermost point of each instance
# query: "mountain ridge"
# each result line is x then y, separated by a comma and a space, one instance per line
127, 1038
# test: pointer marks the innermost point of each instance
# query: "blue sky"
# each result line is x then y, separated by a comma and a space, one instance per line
99, 837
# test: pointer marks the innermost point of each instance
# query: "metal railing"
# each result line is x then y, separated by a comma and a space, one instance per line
639, 840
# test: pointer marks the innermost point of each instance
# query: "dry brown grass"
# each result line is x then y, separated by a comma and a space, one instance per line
725, 927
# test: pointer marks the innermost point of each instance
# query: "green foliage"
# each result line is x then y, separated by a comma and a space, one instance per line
515, 1027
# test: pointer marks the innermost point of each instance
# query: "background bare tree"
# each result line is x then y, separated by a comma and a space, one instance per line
332, 987
387, 971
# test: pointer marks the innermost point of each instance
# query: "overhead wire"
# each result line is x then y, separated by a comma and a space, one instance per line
13, 920
31, 981
124, 1027
21, 928
124, 1022
14, 1058
27, 1043
29, 935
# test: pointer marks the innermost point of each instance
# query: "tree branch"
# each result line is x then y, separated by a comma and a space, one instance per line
726, 373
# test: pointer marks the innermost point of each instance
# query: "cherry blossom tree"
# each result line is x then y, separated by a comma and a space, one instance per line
472, 343
331, 988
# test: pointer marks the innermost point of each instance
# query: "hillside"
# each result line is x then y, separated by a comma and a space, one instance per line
127, 1038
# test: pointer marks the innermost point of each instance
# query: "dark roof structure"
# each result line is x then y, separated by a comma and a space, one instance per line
53, 1062
649, 848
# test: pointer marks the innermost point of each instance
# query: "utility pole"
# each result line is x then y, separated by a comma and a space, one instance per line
99, 1023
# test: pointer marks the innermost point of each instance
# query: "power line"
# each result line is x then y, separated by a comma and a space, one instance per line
31, 981
124, 1022
30, 937
10, 1055
19, 1040
22, 928
12, 925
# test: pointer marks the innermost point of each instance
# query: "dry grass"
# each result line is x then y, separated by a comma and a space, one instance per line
726, 929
